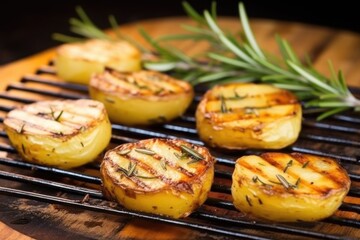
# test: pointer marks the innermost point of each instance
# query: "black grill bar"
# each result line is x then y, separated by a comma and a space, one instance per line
64, 95
48, 69
64, 85
47, 183
64, 173
101, 208
184, 222
331, 127
330, 139
263, 226
316, 152
339, 132
350, 207
15, 98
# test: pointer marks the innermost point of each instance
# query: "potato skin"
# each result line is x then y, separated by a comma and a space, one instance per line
76, 62
174, 191
248, 115
318, 186
81, 133
141, 98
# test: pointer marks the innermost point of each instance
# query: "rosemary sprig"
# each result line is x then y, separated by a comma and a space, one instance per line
232, 60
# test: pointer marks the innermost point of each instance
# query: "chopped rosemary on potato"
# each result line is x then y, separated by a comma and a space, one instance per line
145, 151
256, 178
286, 184
21, 128
289, 164
123, 152
283, 181
305, 164
223, 104
132, 171
191, 152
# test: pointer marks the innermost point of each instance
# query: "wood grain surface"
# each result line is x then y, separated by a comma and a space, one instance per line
51, 221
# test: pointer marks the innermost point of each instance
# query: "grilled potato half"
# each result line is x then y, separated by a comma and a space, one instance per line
76, 62
59, 133
289, 187
141, 98
248, 115
169, 177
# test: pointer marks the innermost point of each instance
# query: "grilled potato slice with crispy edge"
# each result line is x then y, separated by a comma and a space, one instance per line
76, 62
141, 98
248, 115
169, 177
289, 187
59, 133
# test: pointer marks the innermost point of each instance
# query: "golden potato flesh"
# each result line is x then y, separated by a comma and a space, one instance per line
59, 133
141, 98
76, 62
289, 187
248, 115
159, 176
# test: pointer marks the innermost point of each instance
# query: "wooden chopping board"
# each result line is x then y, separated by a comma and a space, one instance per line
320, 44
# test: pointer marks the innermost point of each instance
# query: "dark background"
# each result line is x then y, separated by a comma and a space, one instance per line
26, 26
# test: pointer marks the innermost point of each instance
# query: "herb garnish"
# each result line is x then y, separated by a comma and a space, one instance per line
130, 169
283, 181
21, 128
145, 151
178, 156
297, 183
305, 164
256, 178
124, 152
109, 100
286, 184
223, 107
289, 164
132, 172
56, 118
192, 153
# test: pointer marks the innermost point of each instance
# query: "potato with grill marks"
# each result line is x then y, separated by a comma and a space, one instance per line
169, 177
141, 98
59, 133
76, 62
248, 115
289, 187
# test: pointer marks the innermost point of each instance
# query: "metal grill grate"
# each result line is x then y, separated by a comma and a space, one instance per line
337, 137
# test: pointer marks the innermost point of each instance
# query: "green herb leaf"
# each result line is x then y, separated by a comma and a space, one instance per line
145, 151
193, 153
